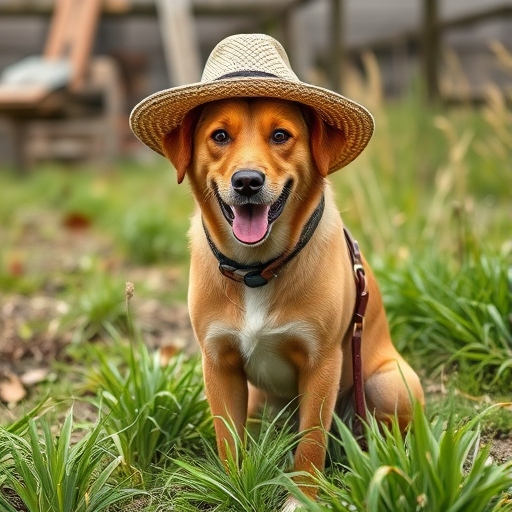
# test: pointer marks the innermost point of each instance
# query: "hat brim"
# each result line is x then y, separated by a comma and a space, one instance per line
160, 113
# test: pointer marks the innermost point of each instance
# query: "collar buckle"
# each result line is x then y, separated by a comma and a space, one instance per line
254, 280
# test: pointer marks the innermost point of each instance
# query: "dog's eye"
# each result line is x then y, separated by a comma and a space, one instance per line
220, 136
280, 136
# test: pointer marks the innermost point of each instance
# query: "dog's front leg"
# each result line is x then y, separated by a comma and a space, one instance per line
318, 387
226, 391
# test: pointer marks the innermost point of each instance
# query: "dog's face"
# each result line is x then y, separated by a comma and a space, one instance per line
254, 161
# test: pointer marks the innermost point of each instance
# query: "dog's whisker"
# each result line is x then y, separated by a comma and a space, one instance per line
207, 197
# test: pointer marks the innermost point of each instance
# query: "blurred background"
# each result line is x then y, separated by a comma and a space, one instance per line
119, 51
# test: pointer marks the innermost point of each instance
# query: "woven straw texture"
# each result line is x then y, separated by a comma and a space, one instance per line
163, 111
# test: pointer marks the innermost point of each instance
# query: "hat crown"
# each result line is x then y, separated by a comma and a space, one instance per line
251, 66
252, 54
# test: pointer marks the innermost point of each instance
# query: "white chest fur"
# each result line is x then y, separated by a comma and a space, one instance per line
260, 339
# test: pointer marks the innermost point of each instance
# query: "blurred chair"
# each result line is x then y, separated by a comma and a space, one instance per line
64, 95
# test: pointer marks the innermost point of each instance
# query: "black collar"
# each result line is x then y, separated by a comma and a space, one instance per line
260, 274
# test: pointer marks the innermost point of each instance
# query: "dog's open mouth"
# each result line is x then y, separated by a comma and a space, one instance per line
251, 222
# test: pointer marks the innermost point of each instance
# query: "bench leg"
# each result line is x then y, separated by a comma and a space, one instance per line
19, 149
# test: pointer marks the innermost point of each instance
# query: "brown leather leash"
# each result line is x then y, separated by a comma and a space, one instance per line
362, 297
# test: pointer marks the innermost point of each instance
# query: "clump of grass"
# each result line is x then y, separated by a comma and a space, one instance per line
456, 314
249, 481
97, 310
148, 408
437, 466
49, 473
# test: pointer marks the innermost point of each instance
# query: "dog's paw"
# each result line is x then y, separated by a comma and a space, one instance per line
292, 505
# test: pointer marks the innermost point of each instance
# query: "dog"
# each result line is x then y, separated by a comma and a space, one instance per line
276, 322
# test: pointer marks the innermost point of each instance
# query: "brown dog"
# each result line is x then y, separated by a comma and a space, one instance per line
257, 169
277, 321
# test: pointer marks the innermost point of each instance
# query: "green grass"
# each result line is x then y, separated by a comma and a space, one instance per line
150, 409
496, 422
247, 483
425, 171
151, 235
455, 315
438, 465
98, 310
49, 473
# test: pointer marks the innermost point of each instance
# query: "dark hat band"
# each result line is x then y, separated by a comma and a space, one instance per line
247, 73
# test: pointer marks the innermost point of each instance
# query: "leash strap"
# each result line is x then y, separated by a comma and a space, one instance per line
362, 296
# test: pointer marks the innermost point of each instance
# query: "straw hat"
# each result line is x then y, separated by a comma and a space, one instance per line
250, 65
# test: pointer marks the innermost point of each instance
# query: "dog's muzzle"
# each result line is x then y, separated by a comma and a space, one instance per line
251, 219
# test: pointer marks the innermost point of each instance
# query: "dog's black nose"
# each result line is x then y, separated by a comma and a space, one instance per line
247, 182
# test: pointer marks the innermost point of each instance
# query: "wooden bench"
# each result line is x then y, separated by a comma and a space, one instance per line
60, 85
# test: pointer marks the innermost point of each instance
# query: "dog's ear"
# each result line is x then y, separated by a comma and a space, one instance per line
178, 144
327, 142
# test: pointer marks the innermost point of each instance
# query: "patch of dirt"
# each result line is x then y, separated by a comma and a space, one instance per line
29, 331
164, 325
30, 336
13, 498
501, 450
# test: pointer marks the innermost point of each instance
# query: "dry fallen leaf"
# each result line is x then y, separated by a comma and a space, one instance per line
76, 221
11, 389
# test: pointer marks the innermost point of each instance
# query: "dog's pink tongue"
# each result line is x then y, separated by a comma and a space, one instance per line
251, 222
